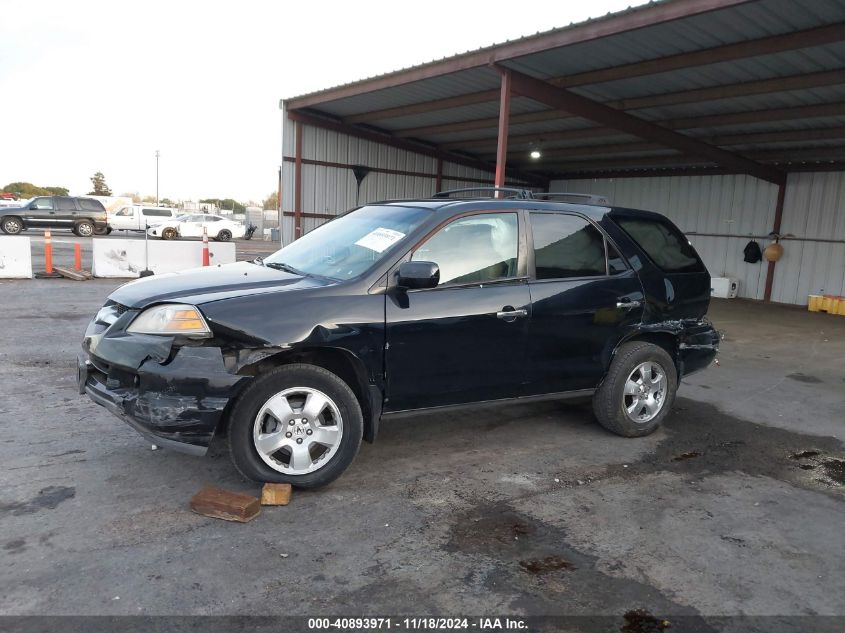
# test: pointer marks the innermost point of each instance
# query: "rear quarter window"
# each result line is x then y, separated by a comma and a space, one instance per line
664, 244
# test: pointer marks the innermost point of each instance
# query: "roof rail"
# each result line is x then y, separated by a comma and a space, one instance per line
585, 198
520, 194
527, 194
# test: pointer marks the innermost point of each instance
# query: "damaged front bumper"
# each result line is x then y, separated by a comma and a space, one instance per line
173, 396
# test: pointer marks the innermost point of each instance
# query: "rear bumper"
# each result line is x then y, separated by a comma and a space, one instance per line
697, 348
178, 404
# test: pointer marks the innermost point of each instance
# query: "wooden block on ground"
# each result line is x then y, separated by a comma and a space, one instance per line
76, 275
275, 494
222, 504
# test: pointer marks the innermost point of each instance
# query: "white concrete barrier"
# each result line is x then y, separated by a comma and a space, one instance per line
15, 257
126, 258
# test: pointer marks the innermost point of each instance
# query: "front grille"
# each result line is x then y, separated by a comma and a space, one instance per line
120, 308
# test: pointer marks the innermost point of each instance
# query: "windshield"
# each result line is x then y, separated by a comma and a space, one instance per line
350, 245
183, 218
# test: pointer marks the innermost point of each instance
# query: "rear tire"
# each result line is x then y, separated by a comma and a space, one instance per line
274, 411
12, 225
224, 235
638, 391
84, 228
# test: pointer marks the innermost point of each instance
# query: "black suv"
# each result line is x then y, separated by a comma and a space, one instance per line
84, 216
399, 307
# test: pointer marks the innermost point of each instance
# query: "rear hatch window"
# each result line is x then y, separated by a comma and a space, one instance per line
665, 245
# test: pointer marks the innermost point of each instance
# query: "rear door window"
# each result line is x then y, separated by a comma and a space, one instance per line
567, 246
665, 245
65, 204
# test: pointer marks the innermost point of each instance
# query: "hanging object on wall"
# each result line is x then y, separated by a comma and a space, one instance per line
751, 252
360, 172
774, 251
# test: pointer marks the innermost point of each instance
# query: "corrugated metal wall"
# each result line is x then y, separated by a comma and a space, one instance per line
332, 190
743, 207
814, 208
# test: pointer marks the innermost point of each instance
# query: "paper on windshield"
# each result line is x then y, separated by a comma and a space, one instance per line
380, 239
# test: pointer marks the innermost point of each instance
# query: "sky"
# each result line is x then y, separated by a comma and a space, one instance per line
89, 86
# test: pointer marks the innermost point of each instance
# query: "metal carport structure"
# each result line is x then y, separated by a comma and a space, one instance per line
726, 115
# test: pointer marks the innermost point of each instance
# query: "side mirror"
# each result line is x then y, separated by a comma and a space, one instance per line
415, 275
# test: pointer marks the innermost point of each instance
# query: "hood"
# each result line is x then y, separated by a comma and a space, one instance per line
201, 285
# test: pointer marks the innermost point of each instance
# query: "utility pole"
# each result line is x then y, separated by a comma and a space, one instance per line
157, 155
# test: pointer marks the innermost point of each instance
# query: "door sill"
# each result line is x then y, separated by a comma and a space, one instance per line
560, 395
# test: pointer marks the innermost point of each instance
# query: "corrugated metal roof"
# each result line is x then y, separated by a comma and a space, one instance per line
732, 24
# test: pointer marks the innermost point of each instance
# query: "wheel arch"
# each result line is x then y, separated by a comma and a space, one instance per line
345, 365
666, 339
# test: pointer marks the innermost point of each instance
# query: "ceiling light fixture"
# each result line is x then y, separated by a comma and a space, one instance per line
535, 154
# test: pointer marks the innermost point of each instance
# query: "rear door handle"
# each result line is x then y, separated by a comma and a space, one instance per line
628, 305
509, 313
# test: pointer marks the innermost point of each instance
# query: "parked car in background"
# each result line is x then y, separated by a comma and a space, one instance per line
192, 225
402, 307
139, 217
83, 216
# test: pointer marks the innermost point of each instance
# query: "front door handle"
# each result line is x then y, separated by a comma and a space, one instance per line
628, 305
509, 313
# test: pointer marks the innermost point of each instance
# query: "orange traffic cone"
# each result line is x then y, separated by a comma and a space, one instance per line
205, 260
48, 252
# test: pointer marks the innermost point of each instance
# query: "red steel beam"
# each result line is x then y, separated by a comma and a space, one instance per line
780, 156
622, 22
728, 52
297, 182
404, 144
504, 116
682, 171
770, 271
575, 151
715, 93
599, 113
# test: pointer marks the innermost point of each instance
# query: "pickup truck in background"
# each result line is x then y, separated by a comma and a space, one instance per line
139, 217
83, 216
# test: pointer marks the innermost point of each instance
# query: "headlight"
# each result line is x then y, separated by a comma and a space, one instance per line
171, 318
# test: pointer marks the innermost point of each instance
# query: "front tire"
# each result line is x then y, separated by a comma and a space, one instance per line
12, 225
169, 234
298, 424
224, 235
638, 391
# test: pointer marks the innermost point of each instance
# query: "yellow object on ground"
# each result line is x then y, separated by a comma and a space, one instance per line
831, 304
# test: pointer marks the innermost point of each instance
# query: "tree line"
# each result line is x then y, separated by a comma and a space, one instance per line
99, 188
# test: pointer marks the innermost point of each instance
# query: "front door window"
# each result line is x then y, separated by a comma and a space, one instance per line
474, 249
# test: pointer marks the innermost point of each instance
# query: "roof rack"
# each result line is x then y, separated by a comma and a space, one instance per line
586, 198
520, 194
526, 194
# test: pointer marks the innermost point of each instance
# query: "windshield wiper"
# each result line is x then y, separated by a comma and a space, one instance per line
284, 267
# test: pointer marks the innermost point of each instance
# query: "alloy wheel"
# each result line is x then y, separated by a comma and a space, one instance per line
645, 392
297, 431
